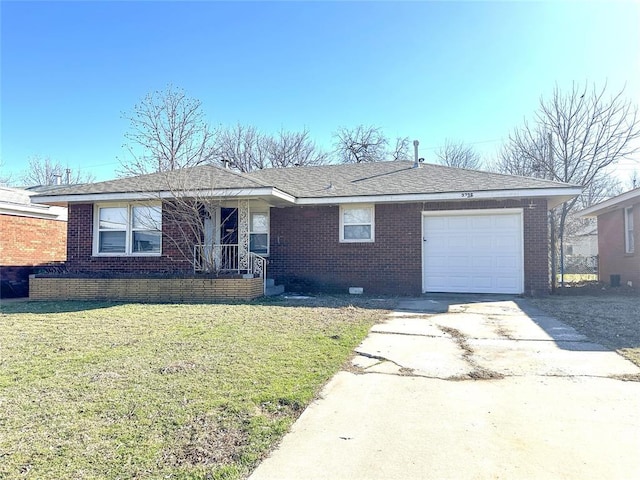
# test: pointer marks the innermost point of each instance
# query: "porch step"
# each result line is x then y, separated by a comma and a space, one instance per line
273, 289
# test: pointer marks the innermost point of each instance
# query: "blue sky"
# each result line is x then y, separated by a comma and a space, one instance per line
469, 71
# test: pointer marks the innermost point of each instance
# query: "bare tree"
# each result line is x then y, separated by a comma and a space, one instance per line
401, 150
167, 131
45, 171
360, 144
241, 148
457, 154
574, 137
244, 148
288, 149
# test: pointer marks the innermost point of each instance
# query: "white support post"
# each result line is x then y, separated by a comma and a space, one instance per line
243, 234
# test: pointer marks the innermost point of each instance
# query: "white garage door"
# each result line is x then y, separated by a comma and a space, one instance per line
473, 252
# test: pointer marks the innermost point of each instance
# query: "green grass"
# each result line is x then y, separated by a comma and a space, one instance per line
98, 390
578, 277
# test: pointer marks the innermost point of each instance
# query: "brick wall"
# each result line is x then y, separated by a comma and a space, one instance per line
306, 254
80, 249
145, 289
26, 242
613, 260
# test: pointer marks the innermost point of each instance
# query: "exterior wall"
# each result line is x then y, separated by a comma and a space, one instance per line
611, 248
26, 242
306, 254
80, 249
145, 289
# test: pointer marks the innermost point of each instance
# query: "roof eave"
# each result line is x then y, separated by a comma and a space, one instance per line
555, 196
63, 200
623, 200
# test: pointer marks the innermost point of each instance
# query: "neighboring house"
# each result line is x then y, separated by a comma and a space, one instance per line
387, 227
30, 235
583, 243
618, 240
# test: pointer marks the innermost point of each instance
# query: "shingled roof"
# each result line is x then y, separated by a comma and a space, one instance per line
390, 178
380, 181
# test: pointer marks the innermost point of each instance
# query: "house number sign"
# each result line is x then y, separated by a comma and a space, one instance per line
467, 194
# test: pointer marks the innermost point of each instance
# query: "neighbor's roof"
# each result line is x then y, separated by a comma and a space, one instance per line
16, 201
380, 181
620, 201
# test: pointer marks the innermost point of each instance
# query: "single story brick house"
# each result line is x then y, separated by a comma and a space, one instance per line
618, 239
389, 227
30, 235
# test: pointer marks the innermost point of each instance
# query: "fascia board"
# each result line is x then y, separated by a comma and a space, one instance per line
447, 196
44, 212
129, 196
608, 205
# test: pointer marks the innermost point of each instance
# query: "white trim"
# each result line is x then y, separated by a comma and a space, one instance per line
559, 193
629, 246
165, 194
369, 206
470, 212
609, 205
267, 212
43, 212
128, 250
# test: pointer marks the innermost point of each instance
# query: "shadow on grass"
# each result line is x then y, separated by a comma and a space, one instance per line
289, 301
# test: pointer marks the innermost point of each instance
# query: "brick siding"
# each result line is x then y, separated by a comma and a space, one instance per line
26, 242
613, 260
80, 249
306, 254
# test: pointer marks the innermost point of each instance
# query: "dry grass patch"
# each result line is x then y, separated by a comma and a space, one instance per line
612, 320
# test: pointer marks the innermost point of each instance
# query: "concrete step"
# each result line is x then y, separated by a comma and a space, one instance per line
274, 290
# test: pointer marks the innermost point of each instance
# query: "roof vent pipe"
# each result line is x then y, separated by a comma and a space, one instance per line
415, 154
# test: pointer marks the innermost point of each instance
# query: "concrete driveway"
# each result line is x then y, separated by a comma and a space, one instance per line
469, 387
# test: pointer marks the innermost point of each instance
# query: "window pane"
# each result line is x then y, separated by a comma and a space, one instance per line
147, 218
357, 215
146, 242
357, 232
113, 218
259, 223
258, 243
112, 242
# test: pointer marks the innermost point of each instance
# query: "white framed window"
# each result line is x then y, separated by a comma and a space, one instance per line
357, 223
259, 233
629, 246
127, 229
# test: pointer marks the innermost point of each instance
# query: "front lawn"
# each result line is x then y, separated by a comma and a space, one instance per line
99, 390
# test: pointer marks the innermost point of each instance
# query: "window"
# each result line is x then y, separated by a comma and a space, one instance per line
628, 230
128, 230
259, 233
357, 223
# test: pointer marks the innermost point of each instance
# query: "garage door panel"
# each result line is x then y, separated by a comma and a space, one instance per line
479, 252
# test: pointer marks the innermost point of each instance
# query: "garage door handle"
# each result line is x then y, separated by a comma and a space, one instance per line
424, 239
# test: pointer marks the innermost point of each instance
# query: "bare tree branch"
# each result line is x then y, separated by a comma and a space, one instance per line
401, 150
457, 154
45, 171
244, 148
360, 144
167, 131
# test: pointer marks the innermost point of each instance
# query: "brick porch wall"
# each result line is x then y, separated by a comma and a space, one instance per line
306, 254
145, 289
